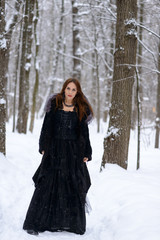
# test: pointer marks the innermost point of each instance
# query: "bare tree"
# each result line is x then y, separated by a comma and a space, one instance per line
9, 32
109, 60
56, 49
36, 66
28, 63
96, 71
59, 41
139, 61
16, 76
158, 101
3, 50
117, 140
76, 41
20, 126
80, 36
24, 68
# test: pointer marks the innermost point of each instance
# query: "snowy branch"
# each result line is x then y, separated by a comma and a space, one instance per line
149, 30
123, 79
142, 66
71, 56
152, 53
94, 47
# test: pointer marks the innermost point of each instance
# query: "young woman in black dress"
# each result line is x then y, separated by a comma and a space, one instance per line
62, 179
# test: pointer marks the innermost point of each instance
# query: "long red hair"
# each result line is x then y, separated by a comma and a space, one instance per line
80, 102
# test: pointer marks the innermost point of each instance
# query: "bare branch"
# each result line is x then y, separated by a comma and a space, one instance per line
149, 30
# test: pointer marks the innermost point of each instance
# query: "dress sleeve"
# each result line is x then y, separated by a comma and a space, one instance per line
44, 135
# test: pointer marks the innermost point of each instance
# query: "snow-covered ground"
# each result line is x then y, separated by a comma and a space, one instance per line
125, 204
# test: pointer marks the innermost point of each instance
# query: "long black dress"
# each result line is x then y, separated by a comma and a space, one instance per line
58, 202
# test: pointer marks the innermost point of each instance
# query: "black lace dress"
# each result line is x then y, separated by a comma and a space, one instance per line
58, 202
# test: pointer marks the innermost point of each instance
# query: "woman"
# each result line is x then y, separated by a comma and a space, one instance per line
62, 179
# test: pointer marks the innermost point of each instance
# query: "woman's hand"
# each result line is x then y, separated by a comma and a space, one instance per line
42, 152
85, 159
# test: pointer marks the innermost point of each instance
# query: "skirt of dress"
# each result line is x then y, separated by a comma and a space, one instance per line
58, 202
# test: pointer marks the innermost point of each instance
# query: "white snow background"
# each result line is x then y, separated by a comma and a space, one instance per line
125, 204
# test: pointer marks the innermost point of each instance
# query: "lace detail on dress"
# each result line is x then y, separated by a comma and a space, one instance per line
65, 125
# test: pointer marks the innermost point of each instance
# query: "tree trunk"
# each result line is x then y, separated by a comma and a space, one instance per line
20, 127
24, 68
58, 48
16, 78
63, 61
3, 50
25, 111
9, 38
98, 92
139, 59
138, 121
76, 42
95, 69
158, 102
109, 66
93, 90
36, 64
117, 140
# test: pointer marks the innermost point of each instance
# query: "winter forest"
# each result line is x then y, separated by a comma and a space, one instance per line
113, 49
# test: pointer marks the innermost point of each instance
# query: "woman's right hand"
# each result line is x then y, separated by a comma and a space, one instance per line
42, 152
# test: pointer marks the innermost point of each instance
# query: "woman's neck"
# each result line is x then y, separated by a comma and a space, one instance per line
69, 102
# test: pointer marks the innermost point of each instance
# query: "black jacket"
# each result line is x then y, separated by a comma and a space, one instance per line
47, 130
46, 136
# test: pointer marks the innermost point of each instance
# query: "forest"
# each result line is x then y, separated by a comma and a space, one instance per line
111, 47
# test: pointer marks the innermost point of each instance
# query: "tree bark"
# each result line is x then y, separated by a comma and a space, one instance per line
139, 60
16, 78
3, 50
76, 42
25, 110
58, 48
95, 69
20, 127
158, 103
117, 140
24, 68
36, 64
9, 38
138, 121
108, 69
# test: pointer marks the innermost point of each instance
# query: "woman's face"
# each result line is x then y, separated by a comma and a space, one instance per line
70, 91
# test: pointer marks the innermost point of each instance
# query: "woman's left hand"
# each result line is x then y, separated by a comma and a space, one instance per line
85, 159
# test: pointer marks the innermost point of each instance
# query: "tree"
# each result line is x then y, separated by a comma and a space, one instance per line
3, 50
108, 59
158, 100
95, 59
76, 35
139, 61
25, 68
9, 33
117, 140
36, 65
28, 63
76, 41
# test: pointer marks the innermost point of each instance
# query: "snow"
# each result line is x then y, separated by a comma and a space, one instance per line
37, 65
3, 43
2, 101
132, 32
112, 131
78, 52
130, 21
27, 66
125, 204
